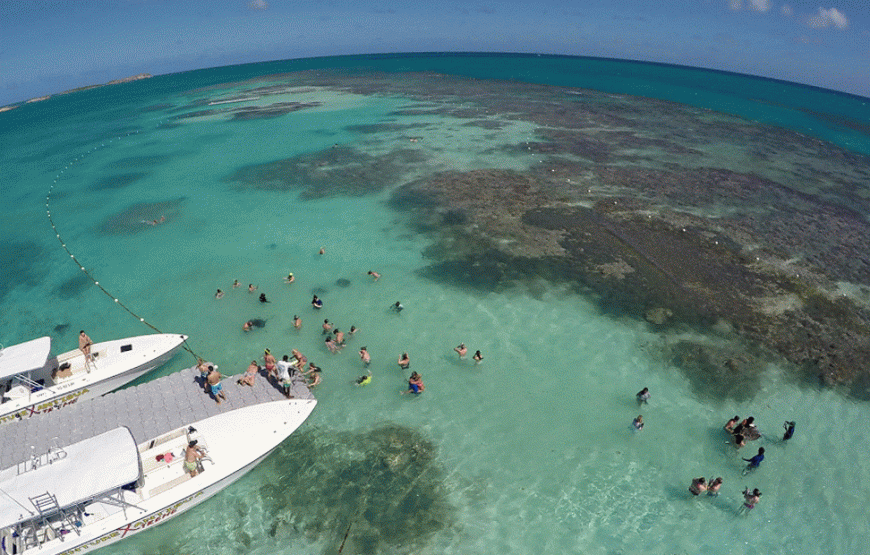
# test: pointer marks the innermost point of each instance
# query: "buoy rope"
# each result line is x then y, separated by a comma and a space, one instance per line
82, 267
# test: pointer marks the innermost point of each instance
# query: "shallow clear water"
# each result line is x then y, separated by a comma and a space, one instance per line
535, 443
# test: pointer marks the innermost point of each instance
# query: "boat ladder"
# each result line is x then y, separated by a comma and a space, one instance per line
47, 506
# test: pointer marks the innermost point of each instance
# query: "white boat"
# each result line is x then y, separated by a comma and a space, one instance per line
106, 488
33, 382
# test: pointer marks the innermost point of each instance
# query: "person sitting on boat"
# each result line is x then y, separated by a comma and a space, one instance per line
85, 344
192, 456
250, 376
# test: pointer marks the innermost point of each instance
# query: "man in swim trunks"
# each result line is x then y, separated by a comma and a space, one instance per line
326, 327
204, 369
85, 345
271, 364
192, 455
461, 349
339, 336
365, 356
217, 389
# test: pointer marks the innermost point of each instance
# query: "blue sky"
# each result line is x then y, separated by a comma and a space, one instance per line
47, 46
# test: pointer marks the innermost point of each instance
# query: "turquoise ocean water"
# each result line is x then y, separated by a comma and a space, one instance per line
533, 451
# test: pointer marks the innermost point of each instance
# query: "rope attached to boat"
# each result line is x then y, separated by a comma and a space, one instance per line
82, 267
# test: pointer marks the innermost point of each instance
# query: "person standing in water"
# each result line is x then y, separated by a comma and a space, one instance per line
750, 499
477, 357
638, 422
713, 488
755, 461
404, 361
365, 356
289, 278
461, 349
326, 327
219, 294
643, 396
699, 486
297, 322
789, 430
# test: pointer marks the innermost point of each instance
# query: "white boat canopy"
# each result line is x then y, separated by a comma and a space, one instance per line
24, 357
90, 469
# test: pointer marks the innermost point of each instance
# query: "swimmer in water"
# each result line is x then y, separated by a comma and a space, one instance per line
236, 284
404, 361
750, 499
699, 486
251, 288
365, 356
415, 384
263, 298
789, 430
731, 424
326, 327
248, 325
754, 462
461, 349
316, 303
353, 330
713, 488
638, 422
643, 396
289, 278
477, 357
375, 275
219, 294
339, 336
322, 250
330, 344
297, 322
398, 307
364, 380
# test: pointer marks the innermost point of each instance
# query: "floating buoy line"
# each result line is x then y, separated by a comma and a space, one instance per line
81, 266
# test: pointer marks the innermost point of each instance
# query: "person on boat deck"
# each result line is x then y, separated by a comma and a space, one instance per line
203, 368
271, 363
284, 371
85, 344
250, 376
192, 456
217, 389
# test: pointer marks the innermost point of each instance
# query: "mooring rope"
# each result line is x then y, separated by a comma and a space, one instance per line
82, 267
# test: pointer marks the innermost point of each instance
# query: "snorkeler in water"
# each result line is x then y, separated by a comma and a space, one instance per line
789, 430
263, 298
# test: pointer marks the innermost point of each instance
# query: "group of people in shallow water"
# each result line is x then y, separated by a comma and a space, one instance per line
740, 431
334, 340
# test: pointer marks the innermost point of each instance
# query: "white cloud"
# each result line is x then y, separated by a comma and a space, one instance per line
759, 5
786, 10
258, 5
735, 5
828, 18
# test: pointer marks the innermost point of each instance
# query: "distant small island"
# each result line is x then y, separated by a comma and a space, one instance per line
77, 89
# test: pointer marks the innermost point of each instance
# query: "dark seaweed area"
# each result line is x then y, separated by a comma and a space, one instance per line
678, 216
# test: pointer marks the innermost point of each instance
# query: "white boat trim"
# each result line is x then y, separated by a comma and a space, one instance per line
236, 441
64, 380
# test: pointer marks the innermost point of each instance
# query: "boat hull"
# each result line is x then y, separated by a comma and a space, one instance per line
238, 440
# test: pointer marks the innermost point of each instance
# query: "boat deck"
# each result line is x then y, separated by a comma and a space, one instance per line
149, 410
